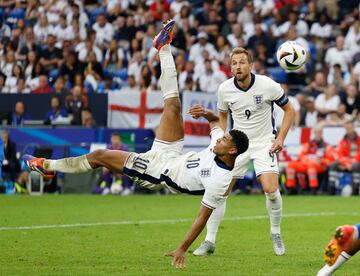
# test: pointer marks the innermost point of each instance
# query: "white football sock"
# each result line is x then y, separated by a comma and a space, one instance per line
213, 223
274, 206
343, 257
168, 78
68, 165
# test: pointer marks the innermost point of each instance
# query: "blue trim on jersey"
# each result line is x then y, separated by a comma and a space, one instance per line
273, 119
358, 228
250, 85
157, 181
221, 164
283, 100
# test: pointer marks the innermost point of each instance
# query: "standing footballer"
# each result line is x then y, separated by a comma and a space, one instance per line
251, 98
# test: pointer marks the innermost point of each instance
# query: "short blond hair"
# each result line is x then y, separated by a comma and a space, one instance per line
240, 50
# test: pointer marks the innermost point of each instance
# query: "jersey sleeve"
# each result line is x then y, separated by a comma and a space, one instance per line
221, 104
277, 94
215, 133
213, 199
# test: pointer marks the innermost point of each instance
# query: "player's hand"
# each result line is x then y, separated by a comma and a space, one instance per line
196, 111
178, 258
277, 145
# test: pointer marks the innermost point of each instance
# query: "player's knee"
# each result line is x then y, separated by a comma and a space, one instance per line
272, 192
96, 156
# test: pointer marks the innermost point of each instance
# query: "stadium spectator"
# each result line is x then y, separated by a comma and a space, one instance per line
10, 164
197, 49
311, 115
328, 101
26, 45
75, 103
259, 37
88, 46
108, 177
87, 119
337, 55
55, 112
11, 81
147, 81
114, 58
43, 87
70, 68
320, 33
136, 65
339, 78
32, 12
5, 32
104, 31
19, 115
93, 71
51, 56
351, 99
210, 79
8, 63
348, 159
317, 86
21, 86
314, 158
158, 7
42, 29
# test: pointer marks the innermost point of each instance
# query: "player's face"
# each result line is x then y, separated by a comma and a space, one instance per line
240, 67
224, 146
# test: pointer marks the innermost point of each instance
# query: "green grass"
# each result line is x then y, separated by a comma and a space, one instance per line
243, 245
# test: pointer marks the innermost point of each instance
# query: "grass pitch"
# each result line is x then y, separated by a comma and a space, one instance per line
113, 235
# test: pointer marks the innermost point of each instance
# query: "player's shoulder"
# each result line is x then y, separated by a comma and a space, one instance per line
226, 84
264, 79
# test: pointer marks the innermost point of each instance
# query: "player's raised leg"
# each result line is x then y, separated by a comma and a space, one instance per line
171, 127
270, 184
345, 244
114, 160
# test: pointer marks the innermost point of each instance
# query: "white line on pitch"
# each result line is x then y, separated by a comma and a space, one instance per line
164, 221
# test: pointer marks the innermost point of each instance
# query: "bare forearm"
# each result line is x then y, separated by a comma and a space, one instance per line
210, 116
196, 228
287, 122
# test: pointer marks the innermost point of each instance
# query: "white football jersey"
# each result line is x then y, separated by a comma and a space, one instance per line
202, 171
252, 109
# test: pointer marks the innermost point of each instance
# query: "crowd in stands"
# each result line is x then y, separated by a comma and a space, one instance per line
96, 46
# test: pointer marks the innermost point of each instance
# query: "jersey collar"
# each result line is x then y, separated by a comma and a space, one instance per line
250, 85
222, 165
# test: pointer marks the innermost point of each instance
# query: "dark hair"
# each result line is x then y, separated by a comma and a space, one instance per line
240, 140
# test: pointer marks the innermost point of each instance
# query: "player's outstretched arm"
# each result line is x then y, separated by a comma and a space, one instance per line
288, 120
195, 230
197, 111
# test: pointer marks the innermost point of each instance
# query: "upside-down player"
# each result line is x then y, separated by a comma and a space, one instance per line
206, 173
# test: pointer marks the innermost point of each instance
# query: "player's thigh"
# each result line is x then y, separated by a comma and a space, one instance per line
171, 127
266, 166
113, 160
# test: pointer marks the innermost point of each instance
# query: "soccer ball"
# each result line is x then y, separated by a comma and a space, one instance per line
291, 55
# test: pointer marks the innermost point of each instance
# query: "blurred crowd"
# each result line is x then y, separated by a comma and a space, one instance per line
77, 47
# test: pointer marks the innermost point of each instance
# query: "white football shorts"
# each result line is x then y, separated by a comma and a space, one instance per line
264, 161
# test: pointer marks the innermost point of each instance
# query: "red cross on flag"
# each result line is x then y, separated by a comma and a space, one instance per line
134, 109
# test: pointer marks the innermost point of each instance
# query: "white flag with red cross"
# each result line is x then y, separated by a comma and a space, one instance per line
134, 109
